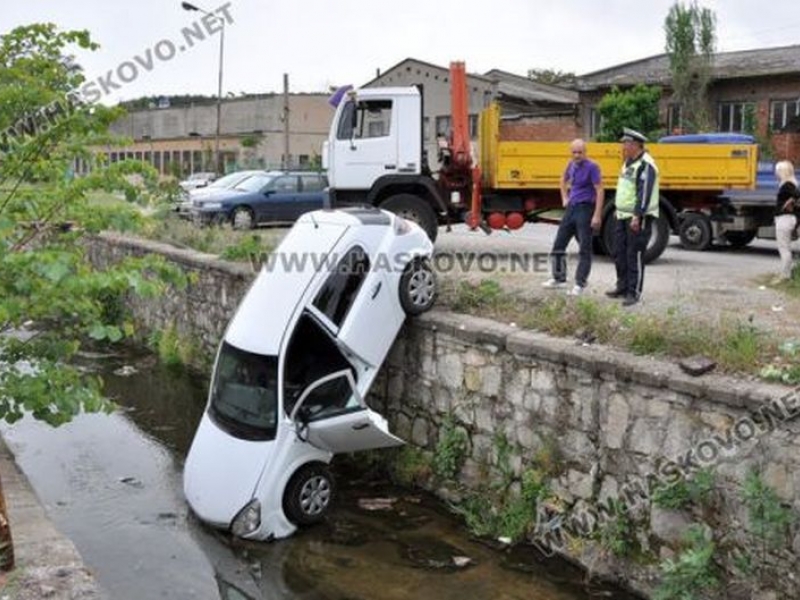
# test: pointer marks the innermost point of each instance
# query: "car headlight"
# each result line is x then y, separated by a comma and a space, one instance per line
216, 205
248, 519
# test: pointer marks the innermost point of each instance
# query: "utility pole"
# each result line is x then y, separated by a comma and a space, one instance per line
286, 162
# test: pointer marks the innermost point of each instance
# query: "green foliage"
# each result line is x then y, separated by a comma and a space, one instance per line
690, 41
486, 294
691, 575
411, 466
769, 520
249, 247
51, 297
451, 450
786, 366
551, 76
636, 108
617, 533
173, 350
686, 492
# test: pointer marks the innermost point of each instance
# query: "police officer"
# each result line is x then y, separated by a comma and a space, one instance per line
637, 207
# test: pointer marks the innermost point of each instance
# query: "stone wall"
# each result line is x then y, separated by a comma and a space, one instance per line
603, 428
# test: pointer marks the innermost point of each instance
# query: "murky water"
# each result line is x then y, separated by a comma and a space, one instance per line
113, 485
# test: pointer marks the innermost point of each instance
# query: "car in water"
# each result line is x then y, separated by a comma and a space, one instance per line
274, 197
295, 365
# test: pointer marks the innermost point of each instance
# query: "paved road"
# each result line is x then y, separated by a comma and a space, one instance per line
718, 282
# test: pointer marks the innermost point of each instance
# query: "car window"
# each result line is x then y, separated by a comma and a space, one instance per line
337, 294
244, 393
313, 182
286, 183
312, 354
254, 183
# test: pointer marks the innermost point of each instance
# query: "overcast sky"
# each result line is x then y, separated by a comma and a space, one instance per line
324, 43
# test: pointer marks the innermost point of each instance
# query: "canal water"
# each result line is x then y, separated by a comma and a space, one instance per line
112, 484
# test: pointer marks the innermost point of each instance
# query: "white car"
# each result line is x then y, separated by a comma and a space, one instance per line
295, 365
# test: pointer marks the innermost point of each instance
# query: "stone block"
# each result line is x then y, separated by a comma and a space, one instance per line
492, 379
420, 433
645, 437
580, 484
472, 379
616, 422
450, 371
669, 525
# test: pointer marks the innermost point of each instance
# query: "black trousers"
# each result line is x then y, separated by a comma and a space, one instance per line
629, 250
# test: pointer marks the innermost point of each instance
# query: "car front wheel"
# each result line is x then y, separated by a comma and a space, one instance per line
417, 287
242, 218
309, 494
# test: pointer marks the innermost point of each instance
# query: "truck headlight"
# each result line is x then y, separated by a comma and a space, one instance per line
248, 519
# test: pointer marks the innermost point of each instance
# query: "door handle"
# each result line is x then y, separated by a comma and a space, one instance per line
390, 167
360, 426
376, 290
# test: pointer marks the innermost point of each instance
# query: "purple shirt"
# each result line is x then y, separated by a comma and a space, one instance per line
582, 176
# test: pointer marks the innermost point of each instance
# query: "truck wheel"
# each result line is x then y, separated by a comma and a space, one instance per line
414, 209
659, 237
695, 232
739, 239
417, 287
309, 494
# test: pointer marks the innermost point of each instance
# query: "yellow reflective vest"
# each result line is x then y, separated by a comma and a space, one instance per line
625, 199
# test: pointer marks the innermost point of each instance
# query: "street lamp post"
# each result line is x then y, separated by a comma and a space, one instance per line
192, 7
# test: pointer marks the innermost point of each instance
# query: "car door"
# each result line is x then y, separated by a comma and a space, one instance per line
281, 197
348, 427
312, 192
356, 305
320, 393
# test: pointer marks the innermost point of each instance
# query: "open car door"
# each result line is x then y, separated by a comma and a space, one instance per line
332, 415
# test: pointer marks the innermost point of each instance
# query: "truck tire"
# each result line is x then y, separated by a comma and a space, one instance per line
739, 239
414, 209
695, 232
659, 237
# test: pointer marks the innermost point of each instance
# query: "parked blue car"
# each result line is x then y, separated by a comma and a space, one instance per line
274, 197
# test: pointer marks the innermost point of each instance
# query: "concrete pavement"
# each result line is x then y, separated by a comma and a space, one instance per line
48, 566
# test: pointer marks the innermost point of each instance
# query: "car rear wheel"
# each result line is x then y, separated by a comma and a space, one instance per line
242, 218
417, 287
309, 494
414, 209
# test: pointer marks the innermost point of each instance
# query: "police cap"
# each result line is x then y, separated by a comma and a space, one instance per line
631, 135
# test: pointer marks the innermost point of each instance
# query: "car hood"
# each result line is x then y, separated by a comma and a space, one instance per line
221, 472
222, 195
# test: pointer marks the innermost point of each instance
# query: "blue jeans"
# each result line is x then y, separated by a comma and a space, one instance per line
577, 222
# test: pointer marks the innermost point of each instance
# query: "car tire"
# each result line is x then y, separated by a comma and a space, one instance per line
242, 218
309, 494
414, 209
417, 287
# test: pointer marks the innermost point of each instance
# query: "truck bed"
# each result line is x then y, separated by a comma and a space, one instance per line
517, 165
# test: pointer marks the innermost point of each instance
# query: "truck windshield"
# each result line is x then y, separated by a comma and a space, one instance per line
244, 394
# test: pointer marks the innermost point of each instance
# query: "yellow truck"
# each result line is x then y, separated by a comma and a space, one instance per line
374, 155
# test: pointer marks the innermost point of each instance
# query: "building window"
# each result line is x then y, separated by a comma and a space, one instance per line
781, 112
675, 119
426, 128
473, 127
732, 116
595, 123
303, 161
442, 127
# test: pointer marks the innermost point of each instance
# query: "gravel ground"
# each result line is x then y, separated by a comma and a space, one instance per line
719, 283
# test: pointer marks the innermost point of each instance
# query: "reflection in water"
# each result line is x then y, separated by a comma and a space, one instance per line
112, 484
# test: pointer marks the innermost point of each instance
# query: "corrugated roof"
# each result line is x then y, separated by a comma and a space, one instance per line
727, 65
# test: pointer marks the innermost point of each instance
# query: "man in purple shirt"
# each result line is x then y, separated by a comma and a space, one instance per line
582, 197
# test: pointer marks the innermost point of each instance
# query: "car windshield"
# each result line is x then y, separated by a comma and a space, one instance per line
244, 394
231, 179
254, 183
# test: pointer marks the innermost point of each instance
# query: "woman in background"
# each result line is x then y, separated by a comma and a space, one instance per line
786, 209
